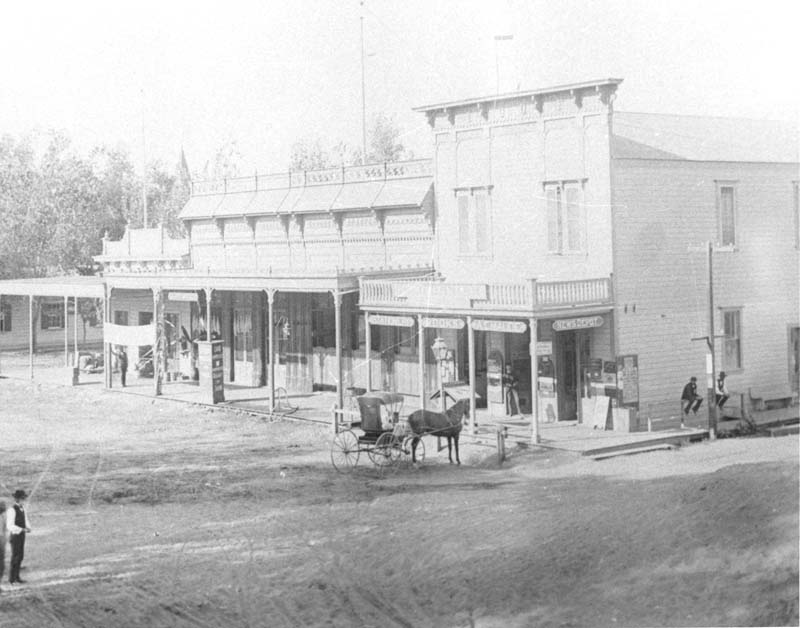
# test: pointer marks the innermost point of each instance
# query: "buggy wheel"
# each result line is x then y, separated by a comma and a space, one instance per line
386, 450
344, 451
420, 453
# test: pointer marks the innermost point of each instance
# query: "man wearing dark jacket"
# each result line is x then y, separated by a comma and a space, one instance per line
690, 400
18, 526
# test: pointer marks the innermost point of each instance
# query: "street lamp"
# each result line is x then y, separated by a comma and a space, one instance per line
439, 348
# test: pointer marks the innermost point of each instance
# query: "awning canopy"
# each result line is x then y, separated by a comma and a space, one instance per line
70, 286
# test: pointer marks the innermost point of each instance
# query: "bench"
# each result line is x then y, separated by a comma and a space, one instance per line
770, 399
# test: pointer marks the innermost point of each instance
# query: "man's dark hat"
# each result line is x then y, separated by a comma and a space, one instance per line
694, 379
722, 373
20, 494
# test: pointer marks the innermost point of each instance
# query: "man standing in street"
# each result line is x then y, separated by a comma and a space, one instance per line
122, 362
18, 526
3, 535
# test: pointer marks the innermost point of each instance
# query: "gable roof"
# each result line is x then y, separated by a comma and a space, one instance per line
702, 138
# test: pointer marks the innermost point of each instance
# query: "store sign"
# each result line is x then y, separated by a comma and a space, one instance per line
568, 324
190, 297
442, 323
544, 348
391, 321
509, 327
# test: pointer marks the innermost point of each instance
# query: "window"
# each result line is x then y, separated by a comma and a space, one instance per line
473, 221
323, 321
726, 210
52, 316
120, 317
5, 317
732, 329
565, 217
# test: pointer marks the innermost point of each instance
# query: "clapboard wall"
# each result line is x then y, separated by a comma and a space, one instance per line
664, 212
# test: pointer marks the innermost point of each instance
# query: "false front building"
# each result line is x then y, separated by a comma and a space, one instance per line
571, 255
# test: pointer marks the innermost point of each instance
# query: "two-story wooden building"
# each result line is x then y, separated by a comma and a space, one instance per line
571, 243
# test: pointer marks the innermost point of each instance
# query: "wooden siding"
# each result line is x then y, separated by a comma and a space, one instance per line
17, 338
664, 211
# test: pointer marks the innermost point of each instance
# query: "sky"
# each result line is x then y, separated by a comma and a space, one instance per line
158, 77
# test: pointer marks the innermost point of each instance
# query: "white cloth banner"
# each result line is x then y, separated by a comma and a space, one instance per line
129, 335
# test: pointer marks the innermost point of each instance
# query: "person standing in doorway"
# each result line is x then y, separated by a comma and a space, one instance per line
690, 400
511, 385
122, 362
722, 390
18, 526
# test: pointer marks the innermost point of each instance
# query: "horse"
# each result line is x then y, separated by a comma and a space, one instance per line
447, 424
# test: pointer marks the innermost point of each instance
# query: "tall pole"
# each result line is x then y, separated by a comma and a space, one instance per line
711, 369
499, 38
363, 95
144, 170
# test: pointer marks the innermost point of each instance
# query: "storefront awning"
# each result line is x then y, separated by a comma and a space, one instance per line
71, 286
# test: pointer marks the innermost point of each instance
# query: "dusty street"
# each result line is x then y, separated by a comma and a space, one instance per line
154, 513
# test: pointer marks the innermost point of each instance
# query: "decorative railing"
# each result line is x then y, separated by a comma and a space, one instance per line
424, 293
326, 176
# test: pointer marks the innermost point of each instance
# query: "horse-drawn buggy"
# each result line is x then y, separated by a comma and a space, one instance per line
385, 437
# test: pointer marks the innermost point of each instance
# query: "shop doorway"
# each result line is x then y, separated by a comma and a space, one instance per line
567, 375
243, 353
572, 358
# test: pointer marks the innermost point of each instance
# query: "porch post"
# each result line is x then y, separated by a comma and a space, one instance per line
30, 332
471, 363
534, 382
74, 331
66, 332
158, 353
337, 308
421, 354
107, 366
368, 350
208, 292
271, 343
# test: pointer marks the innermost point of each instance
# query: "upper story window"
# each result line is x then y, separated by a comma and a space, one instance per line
732, 329
5, 317
120, 317
473, 221
52, 316
566, 221
726, 213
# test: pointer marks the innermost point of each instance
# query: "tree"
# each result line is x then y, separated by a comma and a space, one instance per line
384, 145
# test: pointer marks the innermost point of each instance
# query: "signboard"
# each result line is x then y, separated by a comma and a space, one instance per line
510, 327
600, 412
442, 323
568, 324
391, 321
190, 297
211, 369
544, 348
628, 381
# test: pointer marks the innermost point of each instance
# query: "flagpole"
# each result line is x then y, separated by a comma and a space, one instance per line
144, 169
363, 95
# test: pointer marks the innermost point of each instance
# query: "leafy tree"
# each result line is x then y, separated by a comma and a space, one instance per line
384, 145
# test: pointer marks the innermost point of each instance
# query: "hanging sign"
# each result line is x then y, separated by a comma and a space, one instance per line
568, 324
183, 296
391, 321
544, 347
442, 323
510, 327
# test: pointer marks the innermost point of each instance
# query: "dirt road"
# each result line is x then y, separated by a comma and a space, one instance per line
151, 513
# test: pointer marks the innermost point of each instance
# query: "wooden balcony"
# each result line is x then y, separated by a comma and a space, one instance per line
425, 294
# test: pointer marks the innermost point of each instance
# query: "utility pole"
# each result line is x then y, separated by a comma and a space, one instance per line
144, 170
498, 38
711, 367
363, 95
